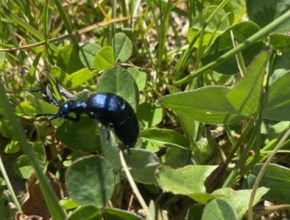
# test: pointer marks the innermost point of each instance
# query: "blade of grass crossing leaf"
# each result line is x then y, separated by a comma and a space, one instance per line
47, 190
66, 22
247, 43
184, 59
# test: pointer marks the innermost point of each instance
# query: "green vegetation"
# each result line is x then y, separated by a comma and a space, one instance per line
208, 80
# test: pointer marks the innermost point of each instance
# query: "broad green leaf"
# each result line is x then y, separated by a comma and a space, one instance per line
239, 199
219, 209
215, 27
68, 59
150, 114
245, 96
164, 138
87, 54
266, 11
80, 136
185, 181
87, 212
140, 77
277, 179
277, 104
90, 181
104, 59
280, 42
122, 47
118, 214
177, 157
208, 105
223, 44
79, 77
118, 81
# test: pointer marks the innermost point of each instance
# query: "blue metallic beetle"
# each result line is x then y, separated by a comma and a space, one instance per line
110, 109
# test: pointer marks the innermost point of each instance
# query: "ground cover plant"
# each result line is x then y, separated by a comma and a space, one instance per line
208, 81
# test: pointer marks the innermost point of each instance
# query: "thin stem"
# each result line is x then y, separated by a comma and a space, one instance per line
262, 172
134, 186
8, 183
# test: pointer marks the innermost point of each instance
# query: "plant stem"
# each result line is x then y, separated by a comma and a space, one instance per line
6, 178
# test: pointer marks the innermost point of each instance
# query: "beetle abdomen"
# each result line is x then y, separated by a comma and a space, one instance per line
113, 110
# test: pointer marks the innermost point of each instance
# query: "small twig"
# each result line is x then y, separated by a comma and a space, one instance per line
77, 33
134, 186
130, 202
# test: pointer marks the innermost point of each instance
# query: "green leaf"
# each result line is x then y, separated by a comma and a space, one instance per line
68, 203
277, 105
202, 151
280, 42
219, 209
239, 199
208, 105
81, 135
266, 11
277, 179
194, 212
88, 212
68, 59
150, 114
164, 138
87, 54
223, 44
79, 77
214, 28
90, 181
139, 76
118, 81
185, 181
118, 214
104, 59
142, 165
23, 167
122, 47
245, 96
177, 157
12, 147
